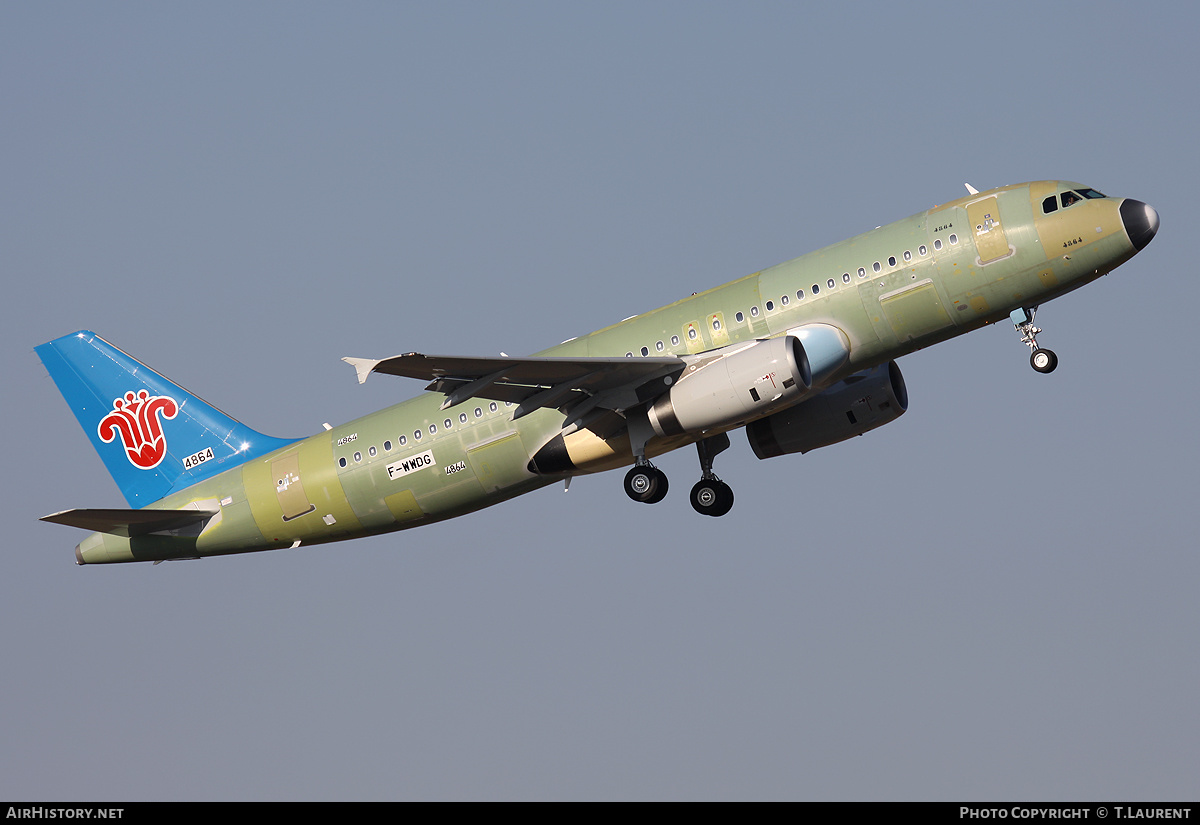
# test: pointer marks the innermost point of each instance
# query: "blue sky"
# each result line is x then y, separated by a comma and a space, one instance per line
991, 598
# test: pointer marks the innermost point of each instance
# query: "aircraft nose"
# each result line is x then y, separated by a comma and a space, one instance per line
1141, 222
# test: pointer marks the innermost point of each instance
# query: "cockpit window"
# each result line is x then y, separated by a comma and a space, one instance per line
1069, 198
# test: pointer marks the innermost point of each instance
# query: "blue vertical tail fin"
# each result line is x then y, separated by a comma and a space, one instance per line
154, 436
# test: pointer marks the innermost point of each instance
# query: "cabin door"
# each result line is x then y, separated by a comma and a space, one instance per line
290, 492
990, 241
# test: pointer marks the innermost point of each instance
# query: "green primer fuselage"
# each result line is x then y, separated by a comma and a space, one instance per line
892, 290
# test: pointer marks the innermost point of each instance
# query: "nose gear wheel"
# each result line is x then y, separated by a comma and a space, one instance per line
1042, 360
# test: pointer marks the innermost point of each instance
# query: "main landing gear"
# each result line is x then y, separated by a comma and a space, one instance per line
646, 483
710, 496
1042, 360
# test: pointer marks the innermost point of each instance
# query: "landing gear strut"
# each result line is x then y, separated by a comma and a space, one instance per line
1042, 360
645, 482
711, 496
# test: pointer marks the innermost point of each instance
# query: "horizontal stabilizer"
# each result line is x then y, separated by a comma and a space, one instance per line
130, 522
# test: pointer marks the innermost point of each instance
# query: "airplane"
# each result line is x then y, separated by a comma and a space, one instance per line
801, 355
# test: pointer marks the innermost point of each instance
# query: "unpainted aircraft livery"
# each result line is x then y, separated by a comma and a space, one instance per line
801, 356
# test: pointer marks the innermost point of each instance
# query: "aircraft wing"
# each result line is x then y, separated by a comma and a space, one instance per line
577, 385
129, 522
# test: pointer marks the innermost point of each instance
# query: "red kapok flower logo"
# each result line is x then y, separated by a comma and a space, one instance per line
136, 419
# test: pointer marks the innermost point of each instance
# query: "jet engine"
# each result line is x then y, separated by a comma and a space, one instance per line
851, 407
725, 387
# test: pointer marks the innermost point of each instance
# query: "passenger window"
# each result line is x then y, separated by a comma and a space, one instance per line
845, 277
478, 412
492, 406
784, 300
937, 243
815, 289
953, 239
447, 423
357, 457
892, 260
830, 283
432, 429
372, 451
387, 446
907, 256
924, 250
862, 272
770, 306
342, 461
674, 340
403, 440
754, 311
462, 417
1049, 205
876, 266
417, 435
659, 346
739, 317
645, 351
692, 333
716, 323
799, 294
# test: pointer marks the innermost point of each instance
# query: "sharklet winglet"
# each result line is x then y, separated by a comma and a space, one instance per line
364, 366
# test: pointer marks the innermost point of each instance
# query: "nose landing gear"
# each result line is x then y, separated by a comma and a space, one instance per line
1042, 360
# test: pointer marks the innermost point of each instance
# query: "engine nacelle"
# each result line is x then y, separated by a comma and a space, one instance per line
827, 348
734, 384
851, 407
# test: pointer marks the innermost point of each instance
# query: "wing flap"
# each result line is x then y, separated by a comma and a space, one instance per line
512, 393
